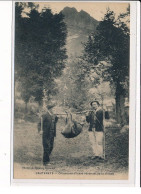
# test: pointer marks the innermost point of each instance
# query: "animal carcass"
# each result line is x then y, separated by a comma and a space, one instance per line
72, 128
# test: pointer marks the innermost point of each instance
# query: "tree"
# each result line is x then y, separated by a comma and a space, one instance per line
73, 87
79, 87
40, 52
110, 44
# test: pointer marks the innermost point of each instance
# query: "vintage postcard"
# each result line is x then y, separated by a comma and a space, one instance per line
72, 88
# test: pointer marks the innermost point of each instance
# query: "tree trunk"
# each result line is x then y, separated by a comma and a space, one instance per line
26, 109
120, 110
45, 98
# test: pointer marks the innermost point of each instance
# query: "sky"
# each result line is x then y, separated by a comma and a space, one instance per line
95, 9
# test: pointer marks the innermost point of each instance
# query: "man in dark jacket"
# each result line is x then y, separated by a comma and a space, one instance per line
47, 126
95, 118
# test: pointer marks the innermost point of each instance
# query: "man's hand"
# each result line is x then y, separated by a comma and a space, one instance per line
41, 132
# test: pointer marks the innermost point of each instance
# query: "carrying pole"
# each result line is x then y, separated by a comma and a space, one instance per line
104, 134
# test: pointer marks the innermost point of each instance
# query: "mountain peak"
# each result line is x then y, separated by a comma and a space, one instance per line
69, 9
80, 19
79, 26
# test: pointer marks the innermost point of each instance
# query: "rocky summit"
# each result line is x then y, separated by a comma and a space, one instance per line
79, 25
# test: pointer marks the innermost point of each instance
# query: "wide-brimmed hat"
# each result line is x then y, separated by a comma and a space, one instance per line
94, 101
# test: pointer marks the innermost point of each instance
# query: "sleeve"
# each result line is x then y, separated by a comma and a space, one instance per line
56, 119
88, 117
107, 115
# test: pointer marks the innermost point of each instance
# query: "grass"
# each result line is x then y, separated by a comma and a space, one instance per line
70, 155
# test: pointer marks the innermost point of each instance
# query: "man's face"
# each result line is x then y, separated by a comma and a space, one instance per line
94, 105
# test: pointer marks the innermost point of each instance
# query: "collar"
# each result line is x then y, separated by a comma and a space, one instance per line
99, 108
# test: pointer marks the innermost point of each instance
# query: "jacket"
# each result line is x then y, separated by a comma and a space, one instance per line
95, 118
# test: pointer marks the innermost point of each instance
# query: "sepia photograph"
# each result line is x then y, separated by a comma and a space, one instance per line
71, 86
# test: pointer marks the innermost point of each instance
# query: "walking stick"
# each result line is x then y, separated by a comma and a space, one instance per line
104, 134
41, 124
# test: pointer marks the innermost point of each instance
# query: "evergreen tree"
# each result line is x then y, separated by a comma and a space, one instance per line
40, 52
110, 44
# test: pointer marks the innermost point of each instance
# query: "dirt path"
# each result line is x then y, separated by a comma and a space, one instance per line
69, 155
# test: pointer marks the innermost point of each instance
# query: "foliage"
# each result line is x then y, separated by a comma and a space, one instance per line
110, 43
40, 52
72, 86
107, 54
79, 87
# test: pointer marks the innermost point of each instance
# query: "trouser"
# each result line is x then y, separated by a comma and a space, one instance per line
91, 126
47, 147
97, 143
99, 149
